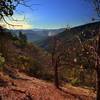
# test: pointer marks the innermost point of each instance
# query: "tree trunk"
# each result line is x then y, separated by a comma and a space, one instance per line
3, 47
98, 71
56, 75
98, 84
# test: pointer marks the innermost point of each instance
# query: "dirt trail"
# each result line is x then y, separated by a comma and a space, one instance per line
28, 88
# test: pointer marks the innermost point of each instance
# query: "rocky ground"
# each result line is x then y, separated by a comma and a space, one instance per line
28, 88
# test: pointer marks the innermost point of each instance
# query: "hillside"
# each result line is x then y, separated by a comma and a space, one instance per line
24, 87
89, 30
23, 62
91, 27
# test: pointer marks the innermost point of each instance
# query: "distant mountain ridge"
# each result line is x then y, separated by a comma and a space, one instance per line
36, 35
79, 29
89, 30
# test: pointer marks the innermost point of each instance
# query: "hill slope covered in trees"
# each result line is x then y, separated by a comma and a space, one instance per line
90, 30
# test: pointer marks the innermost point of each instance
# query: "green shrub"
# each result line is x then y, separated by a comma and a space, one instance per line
35, 68
23, 62
75, 81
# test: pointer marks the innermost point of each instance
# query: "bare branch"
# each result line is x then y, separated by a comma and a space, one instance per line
9, 23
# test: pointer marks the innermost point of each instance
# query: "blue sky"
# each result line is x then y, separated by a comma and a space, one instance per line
55, 13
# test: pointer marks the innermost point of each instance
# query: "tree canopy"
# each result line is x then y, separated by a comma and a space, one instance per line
7, 7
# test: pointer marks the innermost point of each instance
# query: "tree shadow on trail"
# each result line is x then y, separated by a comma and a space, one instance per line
77, 96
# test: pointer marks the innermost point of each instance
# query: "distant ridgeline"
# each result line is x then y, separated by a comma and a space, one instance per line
85, 32
36, 35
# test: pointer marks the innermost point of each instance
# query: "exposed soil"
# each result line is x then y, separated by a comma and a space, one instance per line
29, 88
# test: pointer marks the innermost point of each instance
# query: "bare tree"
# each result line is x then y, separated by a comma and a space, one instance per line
97, 50
54, 56
58, 55
96, 5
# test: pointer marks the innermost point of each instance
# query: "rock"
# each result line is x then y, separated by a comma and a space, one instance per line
12, 72
3, 82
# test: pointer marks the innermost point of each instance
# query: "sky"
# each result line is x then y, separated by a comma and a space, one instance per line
53, 14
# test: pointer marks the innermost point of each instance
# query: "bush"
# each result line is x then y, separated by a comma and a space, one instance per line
23, 62
29, 65
35, 68
75, 81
